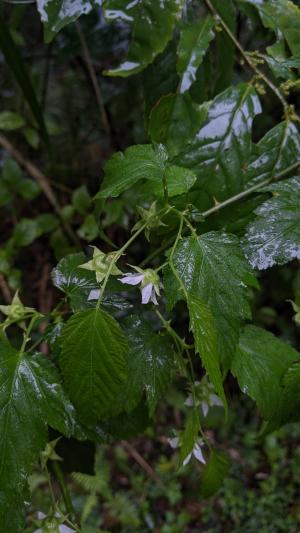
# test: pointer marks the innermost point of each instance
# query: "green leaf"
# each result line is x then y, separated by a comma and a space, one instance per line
175, 120
206, 344
274, 236
193, 44
260, 362
179, 181
56, 14
223, 144
143, 162
152, 22
11, 121
278, 150
81, 199
214, 270
31, 397
89, 230
93, 363
225, 48
150, 360
289, 400
189, 436
213, 474
125, 425
281, 16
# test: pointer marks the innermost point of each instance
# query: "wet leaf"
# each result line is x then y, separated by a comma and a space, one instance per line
273, 238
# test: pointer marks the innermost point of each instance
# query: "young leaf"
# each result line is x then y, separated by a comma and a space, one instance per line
31, 397
10, 121
274, 236
260, 362
214, 270
175, 120
152, 22
93, 363
150, 360
213, 474
193, 43
223, 144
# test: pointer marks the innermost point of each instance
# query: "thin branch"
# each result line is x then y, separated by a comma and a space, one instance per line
6, 292
141, 461
95, 84
255, 68
43, 182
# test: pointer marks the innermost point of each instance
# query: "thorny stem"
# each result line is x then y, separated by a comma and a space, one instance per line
64, 489
27, 334
178, 340
248, 60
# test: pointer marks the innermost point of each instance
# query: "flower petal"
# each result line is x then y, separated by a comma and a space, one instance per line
174, 442
187, 459
215, 400
94, 294
146, 293
197, 452
189, 401
153, 297
132, 279
205, 408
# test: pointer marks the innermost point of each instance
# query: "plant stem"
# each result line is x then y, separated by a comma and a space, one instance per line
64, 489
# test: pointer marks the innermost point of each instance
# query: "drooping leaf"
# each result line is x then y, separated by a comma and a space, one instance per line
282, 16
31, 397
223, 144
125, 425
10, 121
214, 473
150, 360
175, 120
204, 330
143, 162
274, 236
93, 363
193, 44
214, 270
278, 150
225, 48
260, 362
56, 14
152, 23
189, 435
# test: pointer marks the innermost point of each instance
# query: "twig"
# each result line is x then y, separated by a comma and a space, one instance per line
95, 84
5, 290
141, 461
42, 180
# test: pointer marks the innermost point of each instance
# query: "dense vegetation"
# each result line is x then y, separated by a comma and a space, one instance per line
149, 266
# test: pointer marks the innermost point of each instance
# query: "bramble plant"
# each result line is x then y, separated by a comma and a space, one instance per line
207, 199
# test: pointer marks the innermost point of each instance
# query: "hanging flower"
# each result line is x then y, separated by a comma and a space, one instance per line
196, 451
205, 397
149, 283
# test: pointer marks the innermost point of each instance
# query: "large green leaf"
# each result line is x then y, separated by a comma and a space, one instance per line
281, 16
225, 48
260, 362
93, 363
175, 120
152, 23
214, 473
288, 409
193, 43
56, 14
223, 144
214, 270
276, 151
274, 236
143, 162
31, 397
150, 360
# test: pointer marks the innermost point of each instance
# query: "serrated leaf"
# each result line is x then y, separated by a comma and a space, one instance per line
278, 150
175, 120
93, 363
150, 360
31, 397
260, 362
125, 425
56, 14
152, 23
206, 344
214, 270
288, 409
193, 44
214, 473
274, 236
223, 144
143, 162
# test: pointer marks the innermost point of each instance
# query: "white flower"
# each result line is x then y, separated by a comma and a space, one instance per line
206, 398
196, 451
149, 281
52, 524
